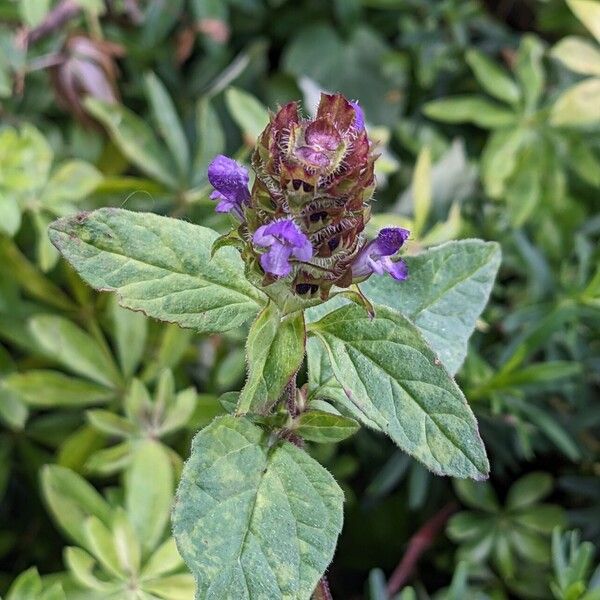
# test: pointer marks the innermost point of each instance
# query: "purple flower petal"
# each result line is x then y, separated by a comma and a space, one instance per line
359, 118
375, 257
284, 240
230, 180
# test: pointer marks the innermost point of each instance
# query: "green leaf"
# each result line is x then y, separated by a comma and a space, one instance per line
12, 411
149, 492
324, 427
71, 499
588, 12
274, 350
159, 266
62, 341
479, 495
26, 586
34, 11
392, 378
168, 123
165, 560
249, 114
447, 288
578, 106
528, 490
130, 330
254, 520
499, 159
44, 388
135, 140
578, 54
73, 180
10, 214
421, 186
530, 70
494, 80
470, 109
211, 139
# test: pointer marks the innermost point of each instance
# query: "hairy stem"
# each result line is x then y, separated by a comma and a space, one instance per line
322, 592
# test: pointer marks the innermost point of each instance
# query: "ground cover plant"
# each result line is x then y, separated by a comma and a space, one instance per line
299, 299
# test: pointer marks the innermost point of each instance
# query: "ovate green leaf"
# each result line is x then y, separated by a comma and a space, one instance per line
447, 288
254, 520
391, 377
159, 266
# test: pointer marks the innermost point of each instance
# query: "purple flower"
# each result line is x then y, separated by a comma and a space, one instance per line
359, 116
284, 240
230, 180
375, 257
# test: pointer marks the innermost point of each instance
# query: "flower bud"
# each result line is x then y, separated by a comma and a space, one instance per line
303, 220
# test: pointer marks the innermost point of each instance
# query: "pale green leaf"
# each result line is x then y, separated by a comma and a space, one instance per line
494, 80
135, 139
149, 492
130, 330
172, 587
26, 586
499, 158
165, 560
324, 427
71, 499
73, 180
159, 266
578, 54
45, 388
470, 109
211, 139
10, 214
82, 566
13, 412
393, 378
588, 12
168, 123
102, 545
275, 349
249, 114
33, 11
61, 340
447, 288
255, 520
578, 106
422, 190
530, 70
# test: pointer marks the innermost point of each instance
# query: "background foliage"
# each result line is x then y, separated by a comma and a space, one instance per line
488, 120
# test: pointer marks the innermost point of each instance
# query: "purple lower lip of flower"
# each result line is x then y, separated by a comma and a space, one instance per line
230, 180
284, 241
375, 257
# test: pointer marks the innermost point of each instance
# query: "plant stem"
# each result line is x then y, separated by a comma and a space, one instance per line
419, 543
290, 398
322, 592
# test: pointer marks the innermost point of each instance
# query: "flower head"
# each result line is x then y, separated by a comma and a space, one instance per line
230, 180
303, 221
284, 241
375, 257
